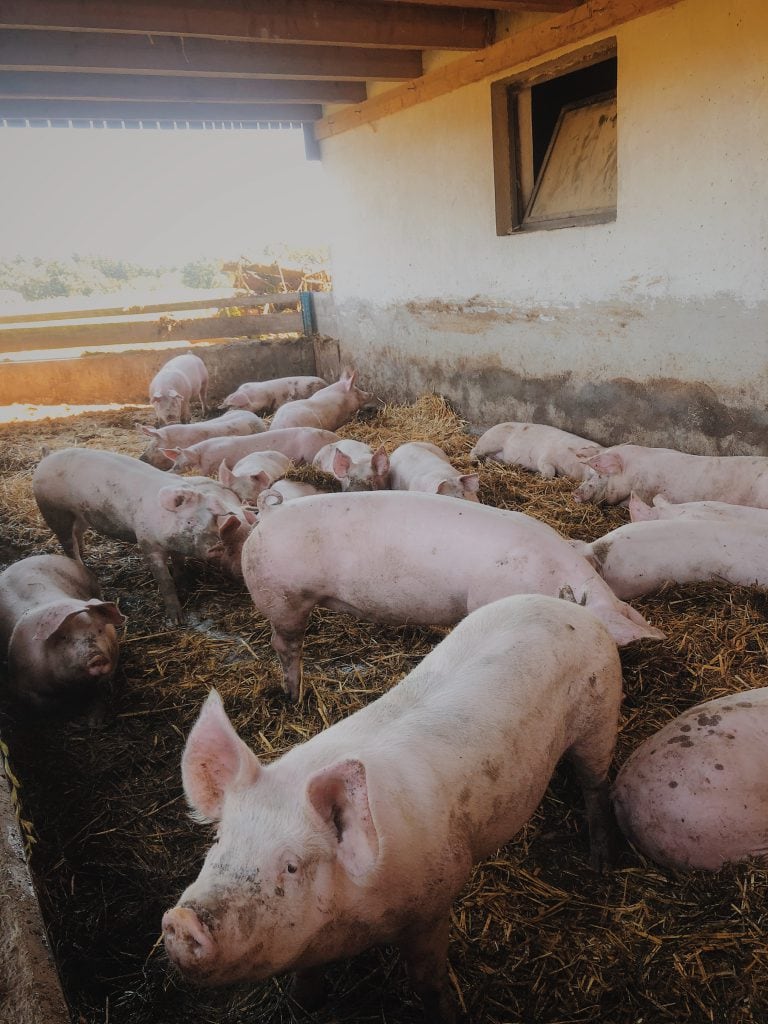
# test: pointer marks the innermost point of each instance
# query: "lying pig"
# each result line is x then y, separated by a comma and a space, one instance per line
289, 490
677, 476
327, 409
120, 497
662, 509
355, 465
538, 447
421, 466
59, 635
254, 474
366, 833
300, 444
640, 558
390, 556
175, 384
694, 795
181, 435
266, 395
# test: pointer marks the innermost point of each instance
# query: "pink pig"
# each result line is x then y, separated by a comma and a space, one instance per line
181, 435
328, 408
366, 833
120, 497
254, 474
266, 395
394, 556
300, 444
662, 509
355, 465
175, 384
693, 795
421, 466
60, 636
538, 447
677, 476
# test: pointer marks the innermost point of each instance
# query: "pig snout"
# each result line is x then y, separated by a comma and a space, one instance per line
188, 942
99, 665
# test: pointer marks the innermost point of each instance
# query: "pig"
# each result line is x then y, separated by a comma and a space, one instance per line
677, 476
181, 435
59, 635
640, 512
538, 447
120, 497
367, 832
327, 409
639, 558
267, 395
396, 557
300, 444
254, 474
290, 490
355, 465
175, 384
421, 466
693, 795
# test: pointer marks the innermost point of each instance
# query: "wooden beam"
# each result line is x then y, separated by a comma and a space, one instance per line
147, 110
364, 23
511, 6
37, 50
58, 85
527, 45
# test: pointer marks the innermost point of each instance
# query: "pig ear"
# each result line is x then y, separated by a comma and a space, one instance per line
52, 619
249, 515
470, 482
380, 462
171, 453
445, 487
639, 512
607, 463
174, 498
214, 760
230, 524
108, 609
588, 452
349, 380
226, 476
149, 431
262, 477
341, 464
339, 795
660, 501
173, 393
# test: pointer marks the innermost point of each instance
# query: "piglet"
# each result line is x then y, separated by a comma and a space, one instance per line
328, 409
290, 490
537, 447
254, 474
355, 465
175, 384
182, 435
266, 395
60, 637
300, 444
366, 833
640, 512
421, 466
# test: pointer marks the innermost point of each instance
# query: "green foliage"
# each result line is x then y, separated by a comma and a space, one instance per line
204, 274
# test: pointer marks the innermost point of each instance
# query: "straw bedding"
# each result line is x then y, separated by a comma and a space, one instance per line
535, 934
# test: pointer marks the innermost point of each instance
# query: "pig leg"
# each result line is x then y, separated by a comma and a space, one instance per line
185, 411
64, 524
156, 559
288, 640
590, 757
203, 396
546, 469
425, 949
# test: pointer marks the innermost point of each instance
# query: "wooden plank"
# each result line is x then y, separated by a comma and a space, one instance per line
364, 23
125, 110
35, 50
527, 45
143, 332
511, 6
63, 85
230, 302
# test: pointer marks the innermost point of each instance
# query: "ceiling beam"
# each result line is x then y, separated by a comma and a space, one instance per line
37, 50
61, 85
151, 111
511, 6
529, 44
364, 23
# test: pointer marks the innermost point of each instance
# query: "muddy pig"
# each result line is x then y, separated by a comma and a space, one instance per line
175, 384
182, 435
266, 395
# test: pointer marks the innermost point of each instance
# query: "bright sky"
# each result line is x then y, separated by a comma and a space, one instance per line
157, 197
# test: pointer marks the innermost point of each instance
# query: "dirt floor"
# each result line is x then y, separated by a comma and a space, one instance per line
536, 935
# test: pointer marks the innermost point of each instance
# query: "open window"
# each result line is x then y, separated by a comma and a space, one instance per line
554, 139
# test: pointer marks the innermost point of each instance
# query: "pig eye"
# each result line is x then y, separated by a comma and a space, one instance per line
291, 868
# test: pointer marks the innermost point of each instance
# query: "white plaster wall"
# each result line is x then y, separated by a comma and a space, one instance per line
677, 287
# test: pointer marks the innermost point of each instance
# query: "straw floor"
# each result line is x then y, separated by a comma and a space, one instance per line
536, 935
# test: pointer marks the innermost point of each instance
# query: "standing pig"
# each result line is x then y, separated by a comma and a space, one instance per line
355, 465
254, 474
300, 444
366, 833
120, 497
60, 637
327, 409
266, 395
181, 435
662, 509
421, 466
538, 447
677, 476
388, 556
175, 384
694, 794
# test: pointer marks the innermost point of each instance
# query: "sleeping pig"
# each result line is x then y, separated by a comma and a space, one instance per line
538, 447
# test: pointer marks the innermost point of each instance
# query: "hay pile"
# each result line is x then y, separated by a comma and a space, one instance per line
536, 935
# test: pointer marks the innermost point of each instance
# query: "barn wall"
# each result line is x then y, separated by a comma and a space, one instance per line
654, 326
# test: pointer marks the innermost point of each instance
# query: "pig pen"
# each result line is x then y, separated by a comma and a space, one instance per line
535, 934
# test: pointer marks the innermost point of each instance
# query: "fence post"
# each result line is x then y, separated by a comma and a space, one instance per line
308, 322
